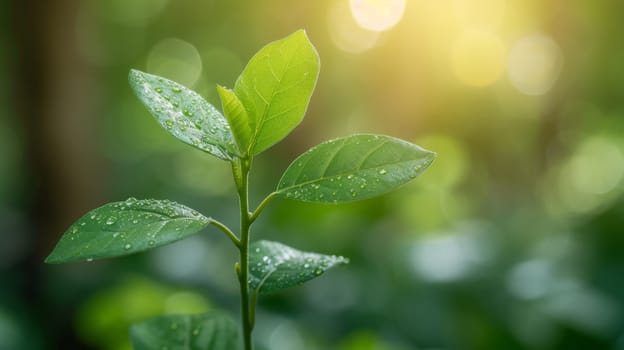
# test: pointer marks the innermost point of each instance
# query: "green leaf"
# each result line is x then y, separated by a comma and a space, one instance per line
236, 116
275, 88
122, 228
210, 331
185, 114
353, 168
274, 266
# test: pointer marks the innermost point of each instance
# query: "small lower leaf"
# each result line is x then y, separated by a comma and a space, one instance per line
274, 266
122, 228
209, 331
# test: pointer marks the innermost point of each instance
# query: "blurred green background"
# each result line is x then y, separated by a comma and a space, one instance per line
513, 238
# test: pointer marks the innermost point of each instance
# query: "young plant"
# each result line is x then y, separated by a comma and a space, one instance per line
269, 99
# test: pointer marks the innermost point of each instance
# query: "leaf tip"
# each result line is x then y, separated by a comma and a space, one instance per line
52, 259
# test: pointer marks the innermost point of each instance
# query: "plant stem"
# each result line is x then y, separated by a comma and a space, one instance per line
261, 207
241, 176
227, 231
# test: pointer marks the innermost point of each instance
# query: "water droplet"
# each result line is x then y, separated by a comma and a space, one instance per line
135, 221
353, 194
111, 220
131, 200
383, 171
257, 250
159, 90
363, 186
115, 234
350, 177
176, 90
92, 216
318, 272
196, 331
151, 242
305, 266
128, 246
74, 229
89, 259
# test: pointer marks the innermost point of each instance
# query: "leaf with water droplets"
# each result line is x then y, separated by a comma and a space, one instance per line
274, 266
210, 331
122, 228
275, 88
185, 114
353, 168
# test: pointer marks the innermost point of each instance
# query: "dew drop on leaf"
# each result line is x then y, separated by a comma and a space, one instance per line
128, 246
383, 171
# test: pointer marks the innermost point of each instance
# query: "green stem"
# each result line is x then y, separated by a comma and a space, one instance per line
227, 231
261, 207
241, 174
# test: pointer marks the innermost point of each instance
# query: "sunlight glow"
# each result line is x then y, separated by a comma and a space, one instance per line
534, 64
485, 14
477, 58
377, 15
346, 34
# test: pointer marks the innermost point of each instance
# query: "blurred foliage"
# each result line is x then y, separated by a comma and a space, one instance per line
511, 240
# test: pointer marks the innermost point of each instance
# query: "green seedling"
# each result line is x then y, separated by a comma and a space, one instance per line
268, 100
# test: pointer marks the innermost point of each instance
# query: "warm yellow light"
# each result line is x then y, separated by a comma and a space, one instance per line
534, 64
346, 34
377, 15
477, 58
480, 13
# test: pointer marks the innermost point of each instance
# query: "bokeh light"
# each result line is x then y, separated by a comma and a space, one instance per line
483, 14
592, 176
477, 58
377, 15
346, 34
534, 65
176, 60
